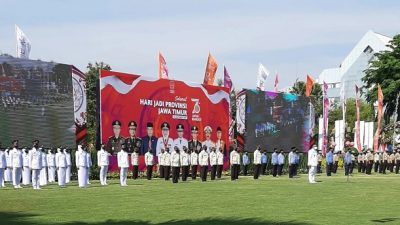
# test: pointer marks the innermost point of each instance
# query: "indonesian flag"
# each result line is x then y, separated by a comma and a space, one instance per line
211, 69
162, 67
276, 82
309, 85
380, 113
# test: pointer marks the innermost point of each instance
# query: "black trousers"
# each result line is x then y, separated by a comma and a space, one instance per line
161, 169
219, 171
256, 171
369, 167
203, 173
329, 169
185, 172
213, 172
245, 168
175, 174
274, 170
263, 168
376, 166
149, 172
194, 172
280, 168
391, 165
383, 167
397, 167
319, 167
167, 172
360, 166
135, 172
347, 169
235, 171
335, 166
352, 167
295, 169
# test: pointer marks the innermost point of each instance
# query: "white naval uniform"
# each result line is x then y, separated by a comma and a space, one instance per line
16, 162
148, 158
209, 145
220, 158
82, 165
213, 158
51, 165
203, 158
35, 164
175, 159
180, 142
8, 170
26, 171
68, 169
194, 159
169, 143
3, 165
43, 171
123, 164
89, 164
161, 158
185, 159
312, 163
103, 162
61, 164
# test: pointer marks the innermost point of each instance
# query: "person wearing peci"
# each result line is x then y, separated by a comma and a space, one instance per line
257, 162
164, 142
220, 162
281, 162
102, 163
61, 165
312, 164
203, 162
16, 163
148, 160
149, 141
274, 162
234, 160
175, 164
213, 163
194, 148
329, 162
123, 164
115, 142
167, 164
185, 163
35, 164
292, 162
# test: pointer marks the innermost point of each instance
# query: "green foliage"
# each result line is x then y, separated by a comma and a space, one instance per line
385, 70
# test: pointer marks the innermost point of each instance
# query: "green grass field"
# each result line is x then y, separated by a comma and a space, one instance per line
361, 200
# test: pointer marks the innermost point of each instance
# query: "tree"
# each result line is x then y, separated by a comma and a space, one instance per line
299, 88
384, 69
92, 94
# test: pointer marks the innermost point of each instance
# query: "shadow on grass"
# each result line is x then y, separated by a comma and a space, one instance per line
24, 219
385, 220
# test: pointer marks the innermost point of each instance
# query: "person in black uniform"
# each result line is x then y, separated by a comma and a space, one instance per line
132, 143
194, 149
115, 142
149, 141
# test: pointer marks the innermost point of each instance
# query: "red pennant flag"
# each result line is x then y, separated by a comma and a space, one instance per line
162, 67
211, 69
380, 113
309, 85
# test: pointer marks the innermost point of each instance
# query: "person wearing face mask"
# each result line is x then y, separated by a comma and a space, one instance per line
148, 160
115, 142
81, 163
175, 164
194, 148
220, 162
167, 164
67, 153
123, 164
312, 164
51, 165
16, 162
43, 171
102, 163
213, 163
165, 141
185, 162
35, 164
3, 165
61, 164
149, 141
26, 172
203, 162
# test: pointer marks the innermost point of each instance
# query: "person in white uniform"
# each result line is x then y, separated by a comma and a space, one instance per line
123, 164
43, 171
61, 164
35, 164
312, 164
180, 142
89, 164
148, 160
51, 165
3, 165
208, 142
69, 164
165, 141
81, 165
8, 170
102, 163
16, 162
26, 172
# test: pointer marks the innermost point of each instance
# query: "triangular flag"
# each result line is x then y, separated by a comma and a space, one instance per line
309, 85
23, 44
276, 82
227, 79
211, 69
263, 73
162, 67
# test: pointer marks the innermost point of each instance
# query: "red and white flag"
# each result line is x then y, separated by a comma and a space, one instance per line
211, 69
162, 67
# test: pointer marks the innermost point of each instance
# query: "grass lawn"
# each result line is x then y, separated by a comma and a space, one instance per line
363, 200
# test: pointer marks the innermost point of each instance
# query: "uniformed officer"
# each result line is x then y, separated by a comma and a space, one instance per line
165, 141
234, 160
376, 162
246, 163
180, 142
292, 162
175, 164
123, 164
149, 141
185, 163
213, 162
385, 157
257, 162
133, 143
67, 153
81, 163
3, 165
148, 160
26, 172
208, 142
35, 164
61, 164
167, 164
102, 163
194, 148
220, 143
203, 162
114, 142
51, 165
274, 162
161, 163
360, 162
370, 161
16, 162
264, 162
281, 162
312, 163
391, 162
135, 163
220, 162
